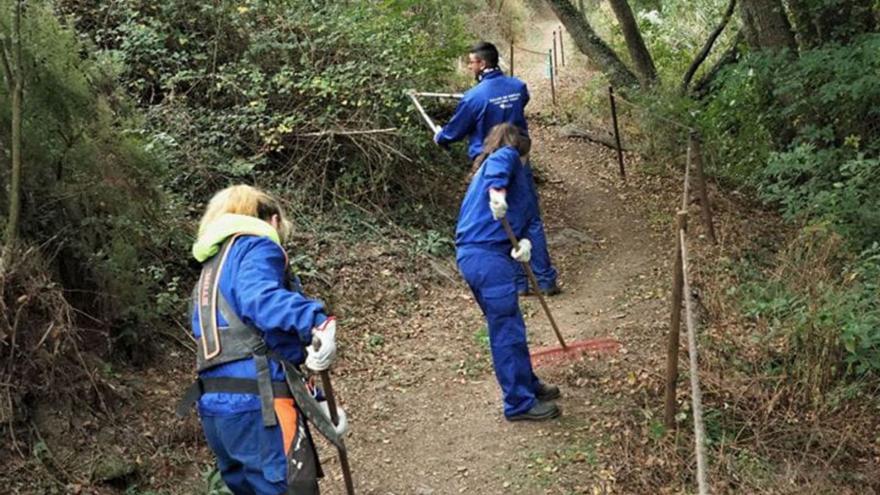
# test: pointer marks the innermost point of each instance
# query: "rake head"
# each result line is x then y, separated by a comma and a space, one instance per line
572, 351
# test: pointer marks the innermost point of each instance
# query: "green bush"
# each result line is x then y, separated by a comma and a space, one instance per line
233, 89
92, 197
821, 308
839, 185
805, 131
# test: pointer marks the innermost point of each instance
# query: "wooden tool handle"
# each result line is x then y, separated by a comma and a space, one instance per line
334, 416
534, 281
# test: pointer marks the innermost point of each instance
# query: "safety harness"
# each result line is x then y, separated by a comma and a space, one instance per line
236, 341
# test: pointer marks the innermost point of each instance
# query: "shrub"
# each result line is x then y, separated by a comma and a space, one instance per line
234, 90
92, 199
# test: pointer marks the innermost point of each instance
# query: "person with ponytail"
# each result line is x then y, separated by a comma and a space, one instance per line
253, 331
495, 99
488, 262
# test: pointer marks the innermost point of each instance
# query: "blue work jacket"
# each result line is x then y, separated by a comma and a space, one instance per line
476, 227
494, 100
254, 282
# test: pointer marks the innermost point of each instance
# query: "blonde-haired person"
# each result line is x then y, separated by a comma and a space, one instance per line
250, 324
500, 187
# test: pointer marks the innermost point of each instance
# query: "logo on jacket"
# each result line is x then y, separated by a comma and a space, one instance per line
505, 101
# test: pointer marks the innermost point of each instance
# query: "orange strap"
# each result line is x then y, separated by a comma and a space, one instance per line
287, 419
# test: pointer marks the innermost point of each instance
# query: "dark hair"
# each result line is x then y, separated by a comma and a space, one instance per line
504, 134
486, 52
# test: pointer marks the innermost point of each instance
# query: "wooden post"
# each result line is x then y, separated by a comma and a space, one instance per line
616, 132
511, 58
674, 324
552, 76
702, 193
555, 54
561, 47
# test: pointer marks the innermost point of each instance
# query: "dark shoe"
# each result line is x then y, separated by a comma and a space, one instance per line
551, 291
547, 392
539, 412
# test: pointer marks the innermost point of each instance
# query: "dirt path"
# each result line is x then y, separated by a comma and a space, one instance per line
429, 421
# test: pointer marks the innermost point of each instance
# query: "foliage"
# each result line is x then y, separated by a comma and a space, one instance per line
837, 185
821, 309
234, 89
92, 196
822, 112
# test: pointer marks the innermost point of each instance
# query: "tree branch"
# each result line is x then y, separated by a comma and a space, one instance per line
590, 44
707, 47
731, 55
7, 67
638, 52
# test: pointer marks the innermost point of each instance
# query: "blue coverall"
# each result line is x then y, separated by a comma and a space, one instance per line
496, 99
483, 255
251, 457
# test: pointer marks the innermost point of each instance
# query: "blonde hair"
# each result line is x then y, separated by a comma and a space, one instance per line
245, 200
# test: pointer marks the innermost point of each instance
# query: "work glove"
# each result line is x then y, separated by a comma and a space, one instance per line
524, 253
498, 203
437, 135
322, 352
342, 426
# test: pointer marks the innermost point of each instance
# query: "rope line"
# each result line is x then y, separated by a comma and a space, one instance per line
647, 110
696, 394
686, 188
533, 52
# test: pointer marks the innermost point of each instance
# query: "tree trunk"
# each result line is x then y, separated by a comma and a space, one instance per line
822, 22
766, 26
591, 45
805, 30
12, 66
639, 53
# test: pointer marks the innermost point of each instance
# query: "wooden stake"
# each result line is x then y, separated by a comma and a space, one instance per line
552, 76
555, 54
674, 325
561, 47
616, 132
511, 58
702, 192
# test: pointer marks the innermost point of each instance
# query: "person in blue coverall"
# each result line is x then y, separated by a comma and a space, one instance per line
500, 187
495, 99
253, 283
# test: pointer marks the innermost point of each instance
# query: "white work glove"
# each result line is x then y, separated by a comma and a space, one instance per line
342, 426
498, 203
524, 253
322, 352
437, 135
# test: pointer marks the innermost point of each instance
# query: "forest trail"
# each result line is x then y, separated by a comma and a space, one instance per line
426, 417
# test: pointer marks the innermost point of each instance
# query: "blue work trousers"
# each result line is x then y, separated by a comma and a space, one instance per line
491, 274
540, 262
252, 458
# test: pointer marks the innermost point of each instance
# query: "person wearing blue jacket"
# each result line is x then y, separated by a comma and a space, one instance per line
246, 319
496, 99
488, 262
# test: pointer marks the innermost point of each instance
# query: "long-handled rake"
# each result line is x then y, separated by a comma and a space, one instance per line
565, 350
